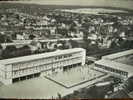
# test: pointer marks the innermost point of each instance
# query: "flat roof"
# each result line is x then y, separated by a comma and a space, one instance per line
116, 65
119, 54
39, 56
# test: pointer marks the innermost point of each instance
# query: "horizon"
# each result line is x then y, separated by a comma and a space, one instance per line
128, 4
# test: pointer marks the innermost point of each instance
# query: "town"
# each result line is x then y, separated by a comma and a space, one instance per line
70, 52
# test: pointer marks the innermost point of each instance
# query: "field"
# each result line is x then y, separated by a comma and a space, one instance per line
75, 76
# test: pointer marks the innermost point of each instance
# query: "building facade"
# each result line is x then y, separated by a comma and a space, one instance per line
116, 69
26, 67
116, 64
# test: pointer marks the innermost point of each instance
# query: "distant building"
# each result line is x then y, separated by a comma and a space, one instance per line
19, 37
26, 67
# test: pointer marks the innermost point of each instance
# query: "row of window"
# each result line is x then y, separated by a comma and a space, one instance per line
114, 70
25, 71
31, 63
62, 57
45, 67
68, 56
67, 62
2, 74
34, 63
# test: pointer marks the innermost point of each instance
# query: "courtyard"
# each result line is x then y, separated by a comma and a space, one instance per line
44, 88
126, 60
75, 76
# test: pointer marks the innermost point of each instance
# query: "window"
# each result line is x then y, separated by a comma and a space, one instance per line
41, 67
56, 58
36, 67
22, 71
49, 66
15, 73
65, 56
119, 72
60, 57
44, 67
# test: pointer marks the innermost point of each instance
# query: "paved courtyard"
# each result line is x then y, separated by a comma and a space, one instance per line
75, 76
40, 88
126, 60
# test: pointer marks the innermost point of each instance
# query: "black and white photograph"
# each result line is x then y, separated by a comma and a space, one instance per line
66, 49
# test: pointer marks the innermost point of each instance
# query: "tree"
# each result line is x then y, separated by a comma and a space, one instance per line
8, 52
1, 50
2, 38
23, 51
129, 84
85, 35
113, 45
31, 37
74, 43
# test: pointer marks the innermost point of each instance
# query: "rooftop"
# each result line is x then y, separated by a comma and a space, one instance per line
39, 56
117, 55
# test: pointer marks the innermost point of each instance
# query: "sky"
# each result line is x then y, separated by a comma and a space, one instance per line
113, 3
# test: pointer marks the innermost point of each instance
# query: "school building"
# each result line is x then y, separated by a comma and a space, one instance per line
26, 67
116, 64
